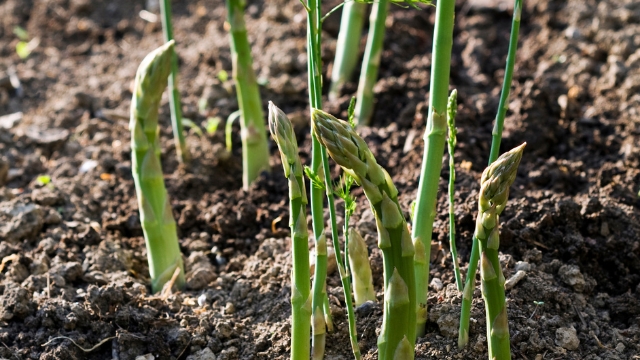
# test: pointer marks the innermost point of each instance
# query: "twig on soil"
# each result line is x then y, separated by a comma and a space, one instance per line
6, 259
76, 344
273, 224
48, 286
166, 290
185, 348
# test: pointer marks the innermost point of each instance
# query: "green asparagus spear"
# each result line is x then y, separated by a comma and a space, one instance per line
283, 134
349, 150
371, 61
158, 224
255, 149
359, 259
347, 48
494, 192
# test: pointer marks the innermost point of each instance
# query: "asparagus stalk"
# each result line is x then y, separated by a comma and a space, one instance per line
371, 61
156, 217
467, 297
359, 260
346, 48
434, 138
452, 109
283, 134
349, 150
255, 149
494, 192
174, 93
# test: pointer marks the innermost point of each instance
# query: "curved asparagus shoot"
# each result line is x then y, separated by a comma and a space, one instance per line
452, 109
363, 290
255, 149
494, 192
467, 298
174, 94
347, 52
434, 139
350, 151
156, 216
283, 134
371, 61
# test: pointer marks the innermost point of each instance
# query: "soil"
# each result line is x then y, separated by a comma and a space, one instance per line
74, 279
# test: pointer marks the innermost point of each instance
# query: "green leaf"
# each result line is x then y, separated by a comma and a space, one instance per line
22, 49
21, 33
316, 181
212, 125
191, 125
43, 180
223, 75
352, 112
202, 105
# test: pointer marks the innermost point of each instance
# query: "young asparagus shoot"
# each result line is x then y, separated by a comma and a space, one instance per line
347, 48
349, 150
283, 134
363, 290
156, 217
174, 94
434, 138
494, 192
465, 312
452, 109
371, 61
255, 149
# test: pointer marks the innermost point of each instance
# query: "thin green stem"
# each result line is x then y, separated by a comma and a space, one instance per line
371, 61
465, 314
434, 138
255, 149
347, 47
174, 94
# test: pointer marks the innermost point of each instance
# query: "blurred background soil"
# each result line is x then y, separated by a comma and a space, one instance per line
73, 256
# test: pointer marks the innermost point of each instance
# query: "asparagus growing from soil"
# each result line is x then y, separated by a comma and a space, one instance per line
156, 217
283, 134
467, 298
371, 61
434, 139
347, 47
494, 192
452, 109
255, 149
174, 94
359, 260
349, 150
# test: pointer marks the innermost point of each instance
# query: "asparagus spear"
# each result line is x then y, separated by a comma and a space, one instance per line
359, 259
347, 46
371, 61
158, 224
494, 192
283, 134
349, 150
255, 149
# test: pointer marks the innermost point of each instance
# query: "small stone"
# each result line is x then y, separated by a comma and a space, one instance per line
448, 324
145, 357
604, 229
202, 300
365, 309
571, 275
515, 279
204, 354
522, 266
567, 338
620, 347
436, 284
224, 329
229, 308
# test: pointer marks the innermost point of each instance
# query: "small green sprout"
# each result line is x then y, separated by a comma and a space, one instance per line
212, 125
43, 180
191, 125
223, 75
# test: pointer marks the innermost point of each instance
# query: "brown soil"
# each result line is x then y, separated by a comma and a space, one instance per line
73, 255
